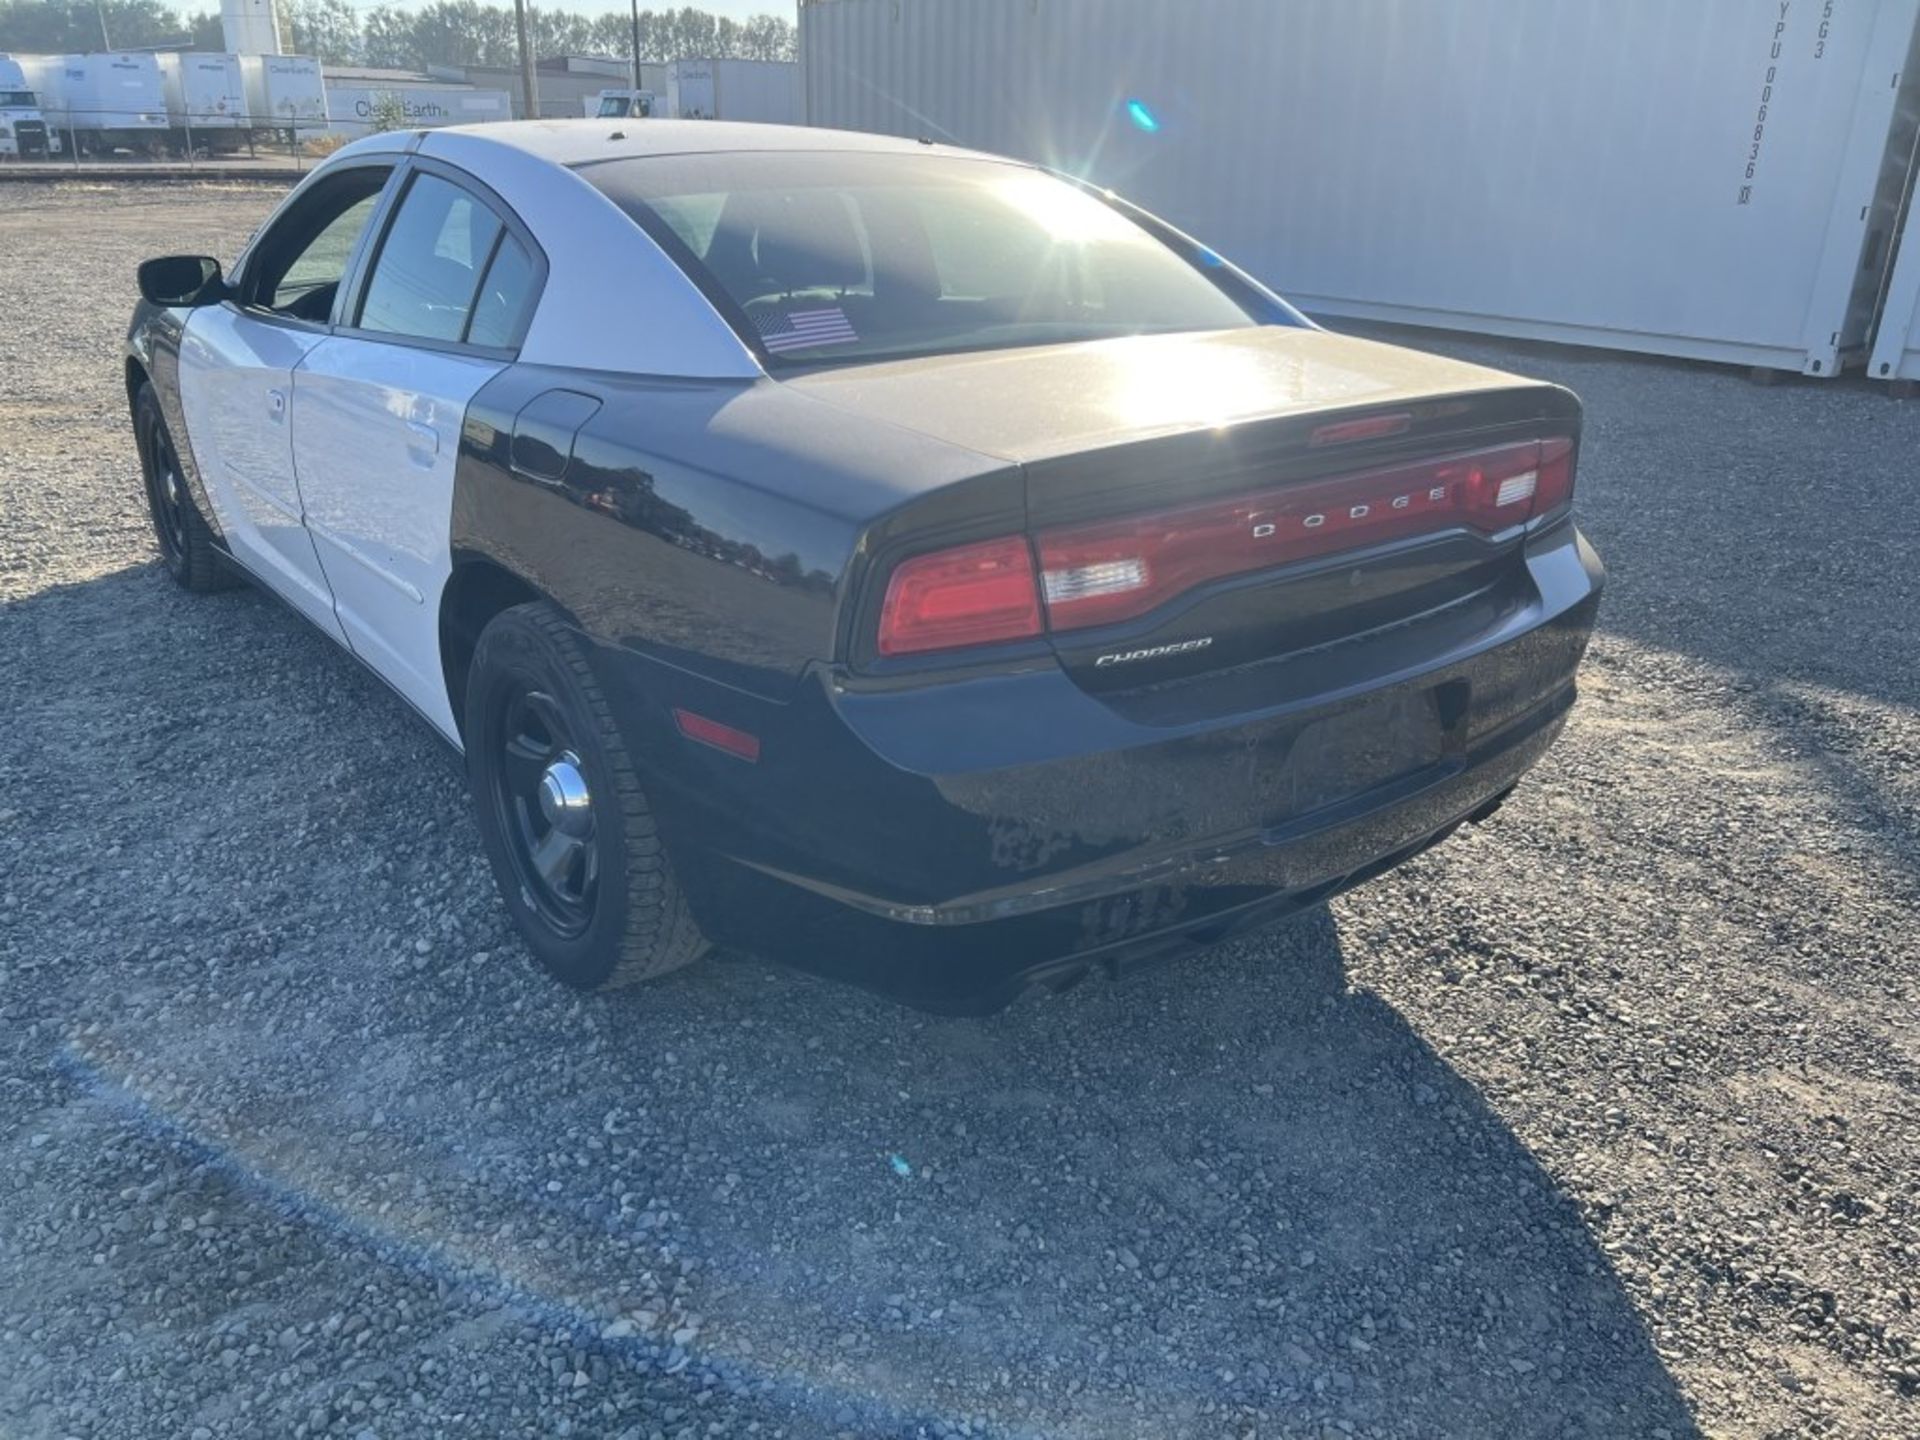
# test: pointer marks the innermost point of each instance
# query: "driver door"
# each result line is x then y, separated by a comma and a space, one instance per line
236, 380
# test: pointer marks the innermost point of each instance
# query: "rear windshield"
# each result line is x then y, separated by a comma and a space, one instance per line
833, 257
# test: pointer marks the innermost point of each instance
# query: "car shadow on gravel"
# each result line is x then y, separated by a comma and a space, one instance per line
1232, 1187
1230, 1195
1227, 1194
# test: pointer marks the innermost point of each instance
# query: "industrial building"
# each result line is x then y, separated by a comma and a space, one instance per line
564, 83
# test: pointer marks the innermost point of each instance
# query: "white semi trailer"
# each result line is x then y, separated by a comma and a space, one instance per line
206, 100
105, 101
285, 93
764, 91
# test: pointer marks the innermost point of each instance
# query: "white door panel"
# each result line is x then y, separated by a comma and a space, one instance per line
236, 385
376, 433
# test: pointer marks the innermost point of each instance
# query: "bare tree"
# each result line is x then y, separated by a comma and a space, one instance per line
443, 32
767, 37
327, 28
386, 37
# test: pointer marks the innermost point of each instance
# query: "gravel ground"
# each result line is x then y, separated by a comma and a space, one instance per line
1599, 1120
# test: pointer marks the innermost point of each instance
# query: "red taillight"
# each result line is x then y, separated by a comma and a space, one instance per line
970, 595
1556, 476
1117, 569
1098, 574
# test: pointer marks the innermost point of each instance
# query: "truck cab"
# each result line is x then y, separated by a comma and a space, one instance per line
622, 104
23, 128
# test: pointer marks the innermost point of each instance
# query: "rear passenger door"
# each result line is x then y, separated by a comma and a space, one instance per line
378, 406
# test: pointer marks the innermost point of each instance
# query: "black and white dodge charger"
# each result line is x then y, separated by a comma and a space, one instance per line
892, 558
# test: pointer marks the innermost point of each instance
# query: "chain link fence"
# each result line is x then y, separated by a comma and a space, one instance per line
75, 139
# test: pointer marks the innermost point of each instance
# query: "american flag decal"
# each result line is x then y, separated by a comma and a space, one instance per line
804, 328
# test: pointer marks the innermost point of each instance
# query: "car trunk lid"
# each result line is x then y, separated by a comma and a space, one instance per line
1239, 495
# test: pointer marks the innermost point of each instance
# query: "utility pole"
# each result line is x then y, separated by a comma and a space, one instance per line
636, 44
529, 92
106, 42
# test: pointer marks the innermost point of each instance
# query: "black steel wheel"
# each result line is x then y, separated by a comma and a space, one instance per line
567, 827
545, 807
187, 546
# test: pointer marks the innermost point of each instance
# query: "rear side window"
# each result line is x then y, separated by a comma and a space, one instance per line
505, 293
693, 218
427, 277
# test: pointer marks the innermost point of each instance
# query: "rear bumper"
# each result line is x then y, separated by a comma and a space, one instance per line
953, 844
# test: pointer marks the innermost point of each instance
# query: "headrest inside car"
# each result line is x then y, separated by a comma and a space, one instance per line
807, 241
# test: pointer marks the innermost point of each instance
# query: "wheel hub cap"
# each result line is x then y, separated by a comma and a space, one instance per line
173, 488
564, 801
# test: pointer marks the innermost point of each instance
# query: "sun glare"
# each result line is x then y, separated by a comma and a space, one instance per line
1067, 216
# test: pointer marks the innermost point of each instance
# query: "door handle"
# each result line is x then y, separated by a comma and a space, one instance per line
277, 403
423, 442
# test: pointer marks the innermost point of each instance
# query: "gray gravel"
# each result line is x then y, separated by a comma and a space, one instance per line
1600, 1120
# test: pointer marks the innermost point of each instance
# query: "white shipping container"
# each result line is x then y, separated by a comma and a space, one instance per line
204, 91
767, 91
105, 93
690, 90
355, 109
1715, 179
1896, 346
285, 91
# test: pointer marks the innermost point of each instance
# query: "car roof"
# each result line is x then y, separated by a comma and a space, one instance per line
579, 142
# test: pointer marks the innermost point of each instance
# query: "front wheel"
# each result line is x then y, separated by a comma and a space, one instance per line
186, 540
566, 826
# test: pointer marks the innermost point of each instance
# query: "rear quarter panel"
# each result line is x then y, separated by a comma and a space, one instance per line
709, 525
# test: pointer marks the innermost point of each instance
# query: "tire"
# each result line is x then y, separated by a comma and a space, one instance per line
566, 826
187, 546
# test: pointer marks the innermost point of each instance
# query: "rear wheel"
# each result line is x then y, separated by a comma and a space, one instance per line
186, 540
567, 828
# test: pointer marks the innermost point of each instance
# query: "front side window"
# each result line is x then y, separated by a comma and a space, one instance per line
427, 276
822, 257
301, 261
613, 107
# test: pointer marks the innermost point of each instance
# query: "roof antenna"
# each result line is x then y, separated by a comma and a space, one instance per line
618, 135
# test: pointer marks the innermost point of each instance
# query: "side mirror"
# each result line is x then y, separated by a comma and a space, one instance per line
182, 280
